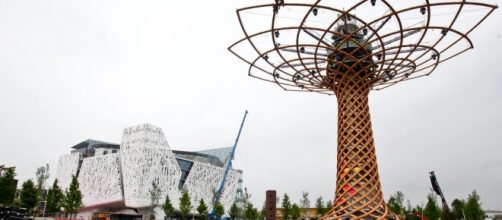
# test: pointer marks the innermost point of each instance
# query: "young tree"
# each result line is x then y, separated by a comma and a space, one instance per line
286, 207
73, 197
409, 212
395, 203
329, 205
185, 205
42, 174
473, 210
432, 210
458, 208
219, 210
7, 186
305, 204
414, 214
263, 212
55, 198
319, 205
168, 208
202, 209
234, 211
155, 194
29, 196
250, 213
295, 212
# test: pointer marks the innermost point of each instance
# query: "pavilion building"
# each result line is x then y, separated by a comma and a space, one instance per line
114, 177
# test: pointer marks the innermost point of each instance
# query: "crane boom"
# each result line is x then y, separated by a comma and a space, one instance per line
437, 189
227, 168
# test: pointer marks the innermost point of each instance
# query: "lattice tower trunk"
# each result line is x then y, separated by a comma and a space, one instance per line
358, 194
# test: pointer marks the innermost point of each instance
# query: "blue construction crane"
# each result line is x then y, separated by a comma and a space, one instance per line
217, 195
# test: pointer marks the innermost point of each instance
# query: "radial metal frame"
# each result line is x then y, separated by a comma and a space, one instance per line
311, 83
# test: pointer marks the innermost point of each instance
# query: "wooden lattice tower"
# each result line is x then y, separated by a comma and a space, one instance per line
347, 54
357, 186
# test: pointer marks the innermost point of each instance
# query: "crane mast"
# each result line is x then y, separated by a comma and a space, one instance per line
228, 165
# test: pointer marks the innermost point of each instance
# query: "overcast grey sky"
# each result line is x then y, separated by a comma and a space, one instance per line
73, 70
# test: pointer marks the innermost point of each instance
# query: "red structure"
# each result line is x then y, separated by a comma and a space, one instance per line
347, 49
270, 201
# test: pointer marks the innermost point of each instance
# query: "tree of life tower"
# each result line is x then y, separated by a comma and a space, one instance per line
346, 49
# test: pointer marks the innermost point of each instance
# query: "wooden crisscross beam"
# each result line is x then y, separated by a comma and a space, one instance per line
358, 193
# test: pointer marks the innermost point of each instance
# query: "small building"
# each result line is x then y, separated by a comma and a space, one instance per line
493, 214
311, 214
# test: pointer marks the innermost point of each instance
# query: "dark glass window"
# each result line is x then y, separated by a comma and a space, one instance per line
185, 167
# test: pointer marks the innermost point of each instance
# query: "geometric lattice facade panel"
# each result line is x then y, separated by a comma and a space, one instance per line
67, 167
229, 192
204, 179
100, 181
147, 157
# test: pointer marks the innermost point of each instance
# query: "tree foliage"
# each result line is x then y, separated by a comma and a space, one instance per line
411, 213
286, 207
432, 210
414, 213
185, 205
319, 205
305, 204
457, 208
263, 213
250, 213
329, 205
7, 186
234, 211
73, 197
167, 207
42, 174
395, 203
219, 210
202, 209
295, 212
472, 209
155, 194
55, 198
29, 196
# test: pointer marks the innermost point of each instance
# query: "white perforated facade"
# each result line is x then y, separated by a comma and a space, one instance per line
67, 167
100, 181
204, 179
146, 157
121, 177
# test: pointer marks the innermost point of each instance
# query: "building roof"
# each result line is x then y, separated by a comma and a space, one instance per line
222, 153
90, 143
199, 157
